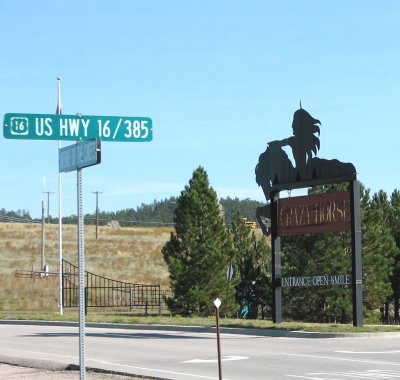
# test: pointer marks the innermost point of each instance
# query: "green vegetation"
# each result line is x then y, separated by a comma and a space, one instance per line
199, 252
328, 254
191, 260
158, 213
252, 270
126, 318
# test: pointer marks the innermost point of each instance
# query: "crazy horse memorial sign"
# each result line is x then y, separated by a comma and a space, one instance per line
318, 213
328, 212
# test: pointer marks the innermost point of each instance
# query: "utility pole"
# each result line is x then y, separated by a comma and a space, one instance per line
42, 259
48, 203
97, 209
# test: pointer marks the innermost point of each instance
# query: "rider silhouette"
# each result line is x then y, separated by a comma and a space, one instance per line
303, 142
275, 168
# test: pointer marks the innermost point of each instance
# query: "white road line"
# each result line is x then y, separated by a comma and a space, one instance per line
370, 374
356, 375
310, 378
369, 352
157, 370
343, 359
112, 364
223, 359
40, 353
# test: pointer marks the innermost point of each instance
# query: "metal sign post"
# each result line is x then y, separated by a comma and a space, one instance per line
276, 261
81, 260
356, 255
76, 157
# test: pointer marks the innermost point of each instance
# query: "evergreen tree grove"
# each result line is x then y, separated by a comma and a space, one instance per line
199, 251
252, 263
330, 253
379, 249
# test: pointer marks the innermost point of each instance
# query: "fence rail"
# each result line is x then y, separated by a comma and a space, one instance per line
104, 292
19, 273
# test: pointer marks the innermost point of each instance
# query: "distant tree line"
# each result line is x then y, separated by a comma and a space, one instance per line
157, 213
15, 216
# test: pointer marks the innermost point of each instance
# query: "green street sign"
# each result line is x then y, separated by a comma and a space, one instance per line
80, 155
77, 127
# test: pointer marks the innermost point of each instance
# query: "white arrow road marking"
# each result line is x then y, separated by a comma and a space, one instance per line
224, 359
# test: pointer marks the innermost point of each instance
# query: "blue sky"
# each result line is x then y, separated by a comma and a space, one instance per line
219, 79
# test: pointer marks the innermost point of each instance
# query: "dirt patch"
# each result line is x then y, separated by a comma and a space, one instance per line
13, 372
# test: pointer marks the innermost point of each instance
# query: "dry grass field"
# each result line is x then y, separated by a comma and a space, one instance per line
124, 254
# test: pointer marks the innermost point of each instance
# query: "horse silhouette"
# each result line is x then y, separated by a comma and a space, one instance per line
275, 168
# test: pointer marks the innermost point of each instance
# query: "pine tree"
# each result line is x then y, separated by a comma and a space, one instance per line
379, 249
199, 251
394, 222
253, 262
394, 216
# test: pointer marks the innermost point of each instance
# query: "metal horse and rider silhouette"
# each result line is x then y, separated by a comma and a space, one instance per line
274, 167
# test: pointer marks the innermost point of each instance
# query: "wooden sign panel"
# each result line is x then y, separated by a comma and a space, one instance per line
319, 213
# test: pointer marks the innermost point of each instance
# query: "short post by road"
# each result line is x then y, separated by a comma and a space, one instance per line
217, 304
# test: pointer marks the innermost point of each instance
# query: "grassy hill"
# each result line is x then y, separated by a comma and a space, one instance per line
124, 254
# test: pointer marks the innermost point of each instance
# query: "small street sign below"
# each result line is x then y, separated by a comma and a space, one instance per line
77, 127
79, 155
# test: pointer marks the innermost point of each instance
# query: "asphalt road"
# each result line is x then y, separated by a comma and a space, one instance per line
183, 355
